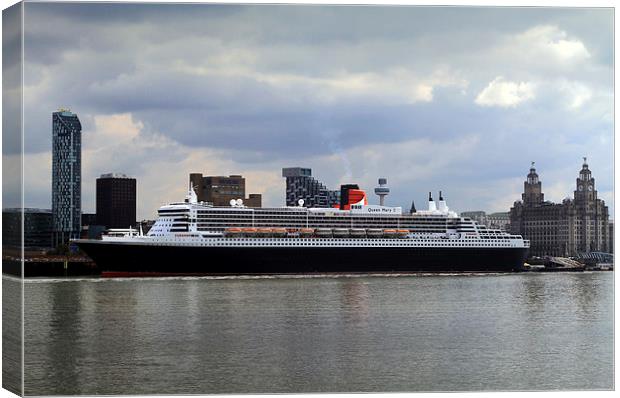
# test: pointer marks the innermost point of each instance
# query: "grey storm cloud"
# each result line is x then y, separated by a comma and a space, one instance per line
279, 85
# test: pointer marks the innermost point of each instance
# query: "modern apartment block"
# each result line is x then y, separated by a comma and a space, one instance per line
575, 226
220, 190
37, 228
66, 176
116, 200
301, 185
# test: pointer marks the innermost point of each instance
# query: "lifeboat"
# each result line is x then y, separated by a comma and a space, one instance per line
357, 232
374, 232
248, 231
323, 232
232, 231
390, 233
279, 231
402, 233
306, 232
341, 232
263, 231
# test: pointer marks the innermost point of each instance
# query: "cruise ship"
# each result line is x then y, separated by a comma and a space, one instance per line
197, 238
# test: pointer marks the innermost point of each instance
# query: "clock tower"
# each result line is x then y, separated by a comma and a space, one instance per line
585, 191
591, 217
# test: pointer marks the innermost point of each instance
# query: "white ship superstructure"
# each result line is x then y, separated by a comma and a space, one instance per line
194, 223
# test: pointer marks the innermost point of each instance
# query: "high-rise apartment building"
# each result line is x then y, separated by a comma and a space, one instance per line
575, 226
220, 190
301, 185
116, 200
66, 175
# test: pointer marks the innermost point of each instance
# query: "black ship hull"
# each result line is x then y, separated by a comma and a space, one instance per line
118, 259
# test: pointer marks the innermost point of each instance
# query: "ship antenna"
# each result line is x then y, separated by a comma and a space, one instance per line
430, 197
440, 197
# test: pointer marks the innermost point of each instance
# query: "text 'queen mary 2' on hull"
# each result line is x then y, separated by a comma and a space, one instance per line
197, 238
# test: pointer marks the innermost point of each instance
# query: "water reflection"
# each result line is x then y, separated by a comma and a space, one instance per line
312, 335
534, 294
586, 291
355, 298
61, 332
112, 326
12, 334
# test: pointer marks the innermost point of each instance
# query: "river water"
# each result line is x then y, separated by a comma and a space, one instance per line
318, 334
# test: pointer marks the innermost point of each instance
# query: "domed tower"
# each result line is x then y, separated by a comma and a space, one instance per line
532, 189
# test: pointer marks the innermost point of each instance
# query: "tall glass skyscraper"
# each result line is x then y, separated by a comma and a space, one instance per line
66, 176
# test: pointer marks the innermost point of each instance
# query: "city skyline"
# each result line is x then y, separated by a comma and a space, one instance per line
453, 99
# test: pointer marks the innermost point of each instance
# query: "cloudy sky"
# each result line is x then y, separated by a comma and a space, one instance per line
453, 99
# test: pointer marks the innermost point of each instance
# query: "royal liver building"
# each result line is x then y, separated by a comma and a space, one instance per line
66, 176
578, 225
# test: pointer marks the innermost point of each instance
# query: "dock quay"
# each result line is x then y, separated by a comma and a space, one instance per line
563, 264
49, 265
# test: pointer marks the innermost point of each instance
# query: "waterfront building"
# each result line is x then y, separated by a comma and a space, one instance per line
478, 216
500, 220
93, 231
570, 228
37, 228
66, 176
89, 219
253, 200
90, 228
610, 237
220, 190
301, 185
116, 200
